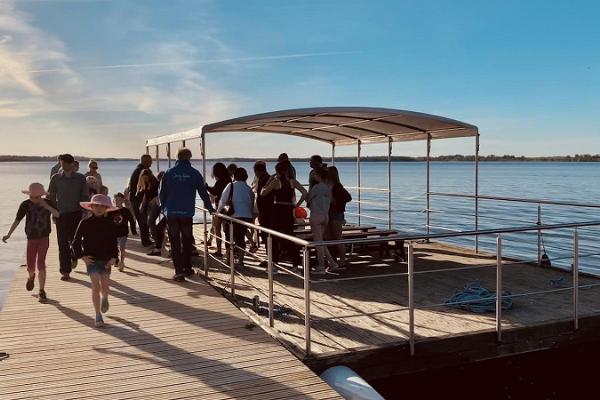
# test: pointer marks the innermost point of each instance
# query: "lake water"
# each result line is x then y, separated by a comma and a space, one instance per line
576, 182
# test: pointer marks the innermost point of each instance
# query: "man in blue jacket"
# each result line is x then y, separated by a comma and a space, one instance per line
178, 200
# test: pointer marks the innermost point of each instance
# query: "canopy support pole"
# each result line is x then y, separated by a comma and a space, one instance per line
204, 213
428, 186
157, 158
389, 161
169, 154
332, 153
477, 191
358, 176
147, 149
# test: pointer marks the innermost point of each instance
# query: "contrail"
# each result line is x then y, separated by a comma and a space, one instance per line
209, 61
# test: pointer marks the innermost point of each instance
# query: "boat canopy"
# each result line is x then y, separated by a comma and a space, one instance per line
338, 126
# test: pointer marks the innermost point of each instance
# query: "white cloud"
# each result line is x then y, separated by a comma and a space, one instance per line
23, 47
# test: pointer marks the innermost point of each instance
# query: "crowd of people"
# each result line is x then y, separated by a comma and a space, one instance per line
273, 201
91, 228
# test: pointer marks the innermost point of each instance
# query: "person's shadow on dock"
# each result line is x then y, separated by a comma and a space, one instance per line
218, 375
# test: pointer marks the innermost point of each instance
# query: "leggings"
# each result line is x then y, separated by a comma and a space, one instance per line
36, 253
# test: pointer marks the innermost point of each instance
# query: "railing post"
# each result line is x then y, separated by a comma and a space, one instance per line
204, 213
539, 233
499, 287
411, 300
389, 173
232, 257
306, 266
358, 149
427, 186
270, 272
576, 279
477, 191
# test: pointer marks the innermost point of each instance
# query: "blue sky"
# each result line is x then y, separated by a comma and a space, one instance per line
97, 77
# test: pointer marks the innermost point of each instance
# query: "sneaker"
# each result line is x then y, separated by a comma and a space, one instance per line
99, 323
253, 249
320, 271
179, 278
121, 266
104, 304
217, 254
189, 273
65, 277
42, 296
30, 283
148, 244
263, 264
74, 264
156, 252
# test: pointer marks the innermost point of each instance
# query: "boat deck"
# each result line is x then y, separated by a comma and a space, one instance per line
353, 316
163, 340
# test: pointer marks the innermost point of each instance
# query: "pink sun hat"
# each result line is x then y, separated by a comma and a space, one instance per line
99, 200
35, 190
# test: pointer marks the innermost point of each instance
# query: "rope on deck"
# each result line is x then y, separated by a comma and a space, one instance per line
475, 298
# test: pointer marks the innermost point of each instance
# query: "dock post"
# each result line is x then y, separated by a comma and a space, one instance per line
411, 299
499, 287
270, 271
539, 233
232, 256
306, 266
576, 279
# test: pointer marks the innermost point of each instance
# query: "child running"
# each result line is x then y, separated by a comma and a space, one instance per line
95, 243
36, 211
121, 218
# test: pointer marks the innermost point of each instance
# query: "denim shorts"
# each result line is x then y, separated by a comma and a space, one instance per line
98, 267
122, 241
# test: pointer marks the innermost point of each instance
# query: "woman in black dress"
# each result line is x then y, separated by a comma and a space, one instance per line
222, 179
282, 187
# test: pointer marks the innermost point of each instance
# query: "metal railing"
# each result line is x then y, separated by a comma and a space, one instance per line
408, 240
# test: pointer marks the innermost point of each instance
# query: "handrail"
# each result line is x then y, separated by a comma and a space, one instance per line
399, 237
516, 199
480, 232
278, 234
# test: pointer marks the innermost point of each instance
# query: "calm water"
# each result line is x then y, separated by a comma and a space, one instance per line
556, 181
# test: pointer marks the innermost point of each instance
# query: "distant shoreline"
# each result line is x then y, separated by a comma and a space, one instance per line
456, 157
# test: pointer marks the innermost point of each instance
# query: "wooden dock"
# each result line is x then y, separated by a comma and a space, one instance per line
163, 340
365, 323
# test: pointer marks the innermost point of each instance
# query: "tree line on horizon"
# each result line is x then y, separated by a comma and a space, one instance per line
454, 157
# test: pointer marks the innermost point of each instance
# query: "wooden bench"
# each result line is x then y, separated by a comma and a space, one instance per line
345, 228
384, 247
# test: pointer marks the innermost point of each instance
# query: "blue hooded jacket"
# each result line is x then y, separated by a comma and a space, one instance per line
178, 189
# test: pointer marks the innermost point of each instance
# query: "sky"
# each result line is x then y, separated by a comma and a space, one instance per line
98, 77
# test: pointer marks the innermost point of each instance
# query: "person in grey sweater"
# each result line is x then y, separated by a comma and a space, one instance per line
67, 189
319, 201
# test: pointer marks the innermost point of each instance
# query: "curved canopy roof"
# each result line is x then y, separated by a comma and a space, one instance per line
339, 125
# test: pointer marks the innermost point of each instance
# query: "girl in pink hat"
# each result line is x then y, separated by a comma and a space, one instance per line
36, 211
95, 243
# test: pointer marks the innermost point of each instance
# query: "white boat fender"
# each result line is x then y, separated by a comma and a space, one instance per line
349, 384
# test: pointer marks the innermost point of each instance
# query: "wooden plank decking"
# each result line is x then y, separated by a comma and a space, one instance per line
163, 340
361, 316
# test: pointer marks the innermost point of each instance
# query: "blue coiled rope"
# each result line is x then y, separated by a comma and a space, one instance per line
477, 299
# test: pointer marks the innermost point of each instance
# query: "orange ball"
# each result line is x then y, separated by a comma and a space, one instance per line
300, 213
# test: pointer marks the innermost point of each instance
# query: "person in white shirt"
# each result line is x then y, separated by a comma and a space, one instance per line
239, 195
